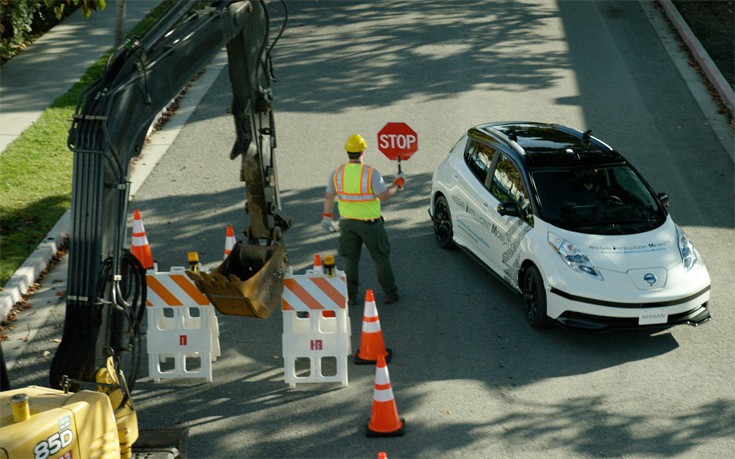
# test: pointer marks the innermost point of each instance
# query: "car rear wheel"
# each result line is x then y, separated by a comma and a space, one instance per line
443, 224
534, 298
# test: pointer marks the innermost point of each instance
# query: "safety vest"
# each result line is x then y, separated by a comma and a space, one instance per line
353, 184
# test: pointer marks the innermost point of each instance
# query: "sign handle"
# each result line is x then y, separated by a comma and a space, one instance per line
399, 164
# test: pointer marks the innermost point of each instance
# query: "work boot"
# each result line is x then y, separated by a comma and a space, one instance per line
391, 298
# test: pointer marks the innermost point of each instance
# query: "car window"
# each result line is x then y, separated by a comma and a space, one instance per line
605, 200
507, 185
479, 158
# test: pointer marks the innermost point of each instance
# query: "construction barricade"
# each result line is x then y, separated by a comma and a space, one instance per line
183, 332
316, 328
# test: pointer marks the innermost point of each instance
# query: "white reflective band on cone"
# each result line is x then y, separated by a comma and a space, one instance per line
371, 326
383, 395
381, 376
370, 309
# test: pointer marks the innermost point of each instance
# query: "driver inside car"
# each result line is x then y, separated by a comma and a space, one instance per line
586, 188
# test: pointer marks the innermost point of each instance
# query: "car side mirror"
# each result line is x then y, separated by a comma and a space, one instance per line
664, 198
508, 208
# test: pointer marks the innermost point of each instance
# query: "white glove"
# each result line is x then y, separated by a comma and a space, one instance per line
328, 225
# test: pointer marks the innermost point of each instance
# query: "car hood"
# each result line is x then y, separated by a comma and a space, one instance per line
622, 253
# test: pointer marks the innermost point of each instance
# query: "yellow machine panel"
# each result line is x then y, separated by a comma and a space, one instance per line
55, 424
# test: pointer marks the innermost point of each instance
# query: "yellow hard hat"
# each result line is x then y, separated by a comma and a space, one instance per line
355, 143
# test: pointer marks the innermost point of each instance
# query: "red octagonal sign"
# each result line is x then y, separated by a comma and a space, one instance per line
398, 141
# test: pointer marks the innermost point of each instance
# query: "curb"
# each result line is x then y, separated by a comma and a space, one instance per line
31, 269
29, 272
713, 74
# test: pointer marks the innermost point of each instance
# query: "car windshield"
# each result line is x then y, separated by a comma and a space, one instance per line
599, 200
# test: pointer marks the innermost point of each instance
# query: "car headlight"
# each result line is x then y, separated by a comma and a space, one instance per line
573, 257
689, 255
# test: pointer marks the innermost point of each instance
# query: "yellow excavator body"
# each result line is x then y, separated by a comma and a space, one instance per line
52, 423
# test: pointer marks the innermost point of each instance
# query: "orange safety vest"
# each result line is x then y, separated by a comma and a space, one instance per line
353, 185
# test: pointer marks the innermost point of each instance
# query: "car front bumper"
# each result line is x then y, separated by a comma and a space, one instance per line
584, 314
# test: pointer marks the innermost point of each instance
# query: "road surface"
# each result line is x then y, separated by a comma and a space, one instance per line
470, 377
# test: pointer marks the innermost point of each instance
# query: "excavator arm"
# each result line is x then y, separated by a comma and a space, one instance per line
109, 129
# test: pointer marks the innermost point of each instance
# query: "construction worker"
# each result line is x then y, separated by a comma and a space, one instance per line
360, 189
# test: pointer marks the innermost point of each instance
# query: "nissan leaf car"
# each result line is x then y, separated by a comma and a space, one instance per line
565, 220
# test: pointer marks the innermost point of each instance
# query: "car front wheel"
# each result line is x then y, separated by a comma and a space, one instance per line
534, 298
443, 224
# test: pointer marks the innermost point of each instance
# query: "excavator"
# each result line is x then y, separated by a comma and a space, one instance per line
88, 409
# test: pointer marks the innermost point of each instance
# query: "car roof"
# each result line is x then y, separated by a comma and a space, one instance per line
539, 145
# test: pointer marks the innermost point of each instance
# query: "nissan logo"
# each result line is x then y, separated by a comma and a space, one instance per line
650, 278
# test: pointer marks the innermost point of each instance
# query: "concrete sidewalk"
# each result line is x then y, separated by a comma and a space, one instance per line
32, 80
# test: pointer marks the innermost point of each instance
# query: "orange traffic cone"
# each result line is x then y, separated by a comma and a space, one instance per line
141, 249
229, 240
384, 420
371, 341
318, 268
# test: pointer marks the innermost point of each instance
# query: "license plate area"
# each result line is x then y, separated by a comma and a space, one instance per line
652, 316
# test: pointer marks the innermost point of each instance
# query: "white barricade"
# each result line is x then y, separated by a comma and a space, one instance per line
316, 327
183, 332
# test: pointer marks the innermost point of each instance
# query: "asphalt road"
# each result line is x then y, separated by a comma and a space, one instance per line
470, 377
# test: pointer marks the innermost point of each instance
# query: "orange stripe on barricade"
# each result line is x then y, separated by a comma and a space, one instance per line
287, 282
328, 288
285, 306
300, 292
158, 288
193, 292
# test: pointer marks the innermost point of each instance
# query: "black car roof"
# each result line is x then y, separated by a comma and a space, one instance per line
547, 145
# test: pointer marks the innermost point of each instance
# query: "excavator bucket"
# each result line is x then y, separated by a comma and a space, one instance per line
248, 283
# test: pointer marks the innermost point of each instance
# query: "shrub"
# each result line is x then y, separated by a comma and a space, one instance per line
21, 21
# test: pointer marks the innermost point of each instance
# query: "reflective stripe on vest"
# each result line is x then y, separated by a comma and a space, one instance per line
353, 185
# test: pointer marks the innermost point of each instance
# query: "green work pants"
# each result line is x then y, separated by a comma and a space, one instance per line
352, 235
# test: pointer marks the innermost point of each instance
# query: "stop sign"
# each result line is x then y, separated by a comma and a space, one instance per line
397, 141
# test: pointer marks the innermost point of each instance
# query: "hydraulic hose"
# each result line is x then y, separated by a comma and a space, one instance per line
125, 317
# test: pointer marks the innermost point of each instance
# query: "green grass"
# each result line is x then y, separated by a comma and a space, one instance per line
36, 171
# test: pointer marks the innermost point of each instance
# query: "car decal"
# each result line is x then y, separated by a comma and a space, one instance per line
640, 248
472, 212
463, 226
511, 239
475, 214
511, 259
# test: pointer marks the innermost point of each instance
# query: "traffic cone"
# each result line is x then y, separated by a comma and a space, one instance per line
229, 240
318, 268
371, 341
141, 249
384, 420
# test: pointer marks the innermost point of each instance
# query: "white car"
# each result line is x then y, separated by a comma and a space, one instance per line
564, 219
